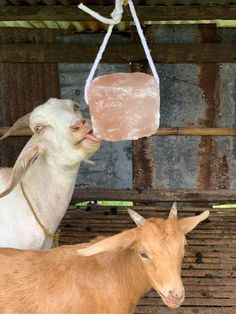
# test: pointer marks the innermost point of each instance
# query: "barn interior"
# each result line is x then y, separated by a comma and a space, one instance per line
47, 48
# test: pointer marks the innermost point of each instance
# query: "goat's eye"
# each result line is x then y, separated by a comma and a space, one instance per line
76, 107
38, 128
143, 255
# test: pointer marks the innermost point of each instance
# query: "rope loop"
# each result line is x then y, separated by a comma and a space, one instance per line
55, 236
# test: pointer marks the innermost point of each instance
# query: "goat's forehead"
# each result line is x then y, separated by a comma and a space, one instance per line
54, 104
52, 108
155, 230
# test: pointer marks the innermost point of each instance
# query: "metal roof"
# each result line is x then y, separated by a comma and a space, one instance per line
94, 26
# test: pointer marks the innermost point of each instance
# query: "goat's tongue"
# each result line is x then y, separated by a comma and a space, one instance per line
92, 137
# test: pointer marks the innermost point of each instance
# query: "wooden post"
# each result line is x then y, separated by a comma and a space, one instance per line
142, 155
213, 166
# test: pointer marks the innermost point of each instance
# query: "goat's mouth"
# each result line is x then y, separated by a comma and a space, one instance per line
90, 136
170, 302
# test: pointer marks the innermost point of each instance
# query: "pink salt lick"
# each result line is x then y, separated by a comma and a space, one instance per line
124, 106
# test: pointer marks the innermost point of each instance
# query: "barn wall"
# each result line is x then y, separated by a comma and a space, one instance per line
192, 95
23, 86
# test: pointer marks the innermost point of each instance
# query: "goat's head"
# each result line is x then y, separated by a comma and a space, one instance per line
60, 133
159, 245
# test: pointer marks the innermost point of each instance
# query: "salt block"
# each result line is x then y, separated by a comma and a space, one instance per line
124, 106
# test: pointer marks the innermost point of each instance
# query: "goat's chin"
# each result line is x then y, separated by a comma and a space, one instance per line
88, 147
90, 144
171, 304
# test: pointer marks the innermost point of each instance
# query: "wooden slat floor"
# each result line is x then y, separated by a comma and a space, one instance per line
209, 268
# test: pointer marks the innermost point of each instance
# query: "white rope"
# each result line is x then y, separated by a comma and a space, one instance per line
143, 41
96, 62
116, 18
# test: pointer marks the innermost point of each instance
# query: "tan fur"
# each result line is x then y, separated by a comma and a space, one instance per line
61, 281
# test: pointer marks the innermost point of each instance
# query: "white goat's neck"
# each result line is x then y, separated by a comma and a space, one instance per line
50, 190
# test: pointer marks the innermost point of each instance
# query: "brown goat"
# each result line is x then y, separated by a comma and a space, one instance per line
107, 277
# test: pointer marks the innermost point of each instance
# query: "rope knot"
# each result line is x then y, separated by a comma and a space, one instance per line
117, 14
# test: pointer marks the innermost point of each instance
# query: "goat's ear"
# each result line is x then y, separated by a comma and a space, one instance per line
21, 123
117, 242
24, 160
189, 223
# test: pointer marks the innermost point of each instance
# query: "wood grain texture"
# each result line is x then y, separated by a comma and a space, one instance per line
125, 53
145, 13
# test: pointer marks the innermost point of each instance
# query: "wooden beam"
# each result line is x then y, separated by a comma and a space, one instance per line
145, 13
196, 131
165, 195
77, 53
23, 132
143, 160
160, 132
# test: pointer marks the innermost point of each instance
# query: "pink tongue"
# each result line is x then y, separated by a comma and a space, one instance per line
92, 137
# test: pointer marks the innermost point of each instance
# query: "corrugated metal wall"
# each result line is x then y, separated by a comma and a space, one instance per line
192, 95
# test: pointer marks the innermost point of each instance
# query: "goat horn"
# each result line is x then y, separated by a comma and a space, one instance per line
138, 219
21, 123
173, 211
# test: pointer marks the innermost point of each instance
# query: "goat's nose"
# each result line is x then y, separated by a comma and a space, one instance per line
78, 124
175, 295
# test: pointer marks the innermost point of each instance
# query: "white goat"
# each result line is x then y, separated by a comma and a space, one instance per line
44, 174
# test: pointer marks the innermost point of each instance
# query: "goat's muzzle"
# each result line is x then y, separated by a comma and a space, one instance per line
173, 299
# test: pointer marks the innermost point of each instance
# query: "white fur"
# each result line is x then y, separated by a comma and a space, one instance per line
49, 180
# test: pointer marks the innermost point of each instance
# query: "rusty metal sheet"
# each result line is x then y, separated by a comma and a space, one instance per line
192, 95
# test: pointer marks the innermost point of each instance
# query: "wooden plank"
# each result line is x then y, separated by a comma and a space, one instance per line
196, 131
23, 86
152, 309
169, 195
143, 161
175, 131
125, 53
193, 301
145, 13
23, 132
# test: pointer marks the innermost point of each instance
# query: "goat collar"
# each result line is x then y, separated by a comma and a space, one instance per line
54, 236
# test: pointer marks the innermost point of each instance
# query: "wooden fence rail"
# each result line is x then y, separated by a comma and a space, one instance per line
123, 53
167, 195
160, 132
145, 13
